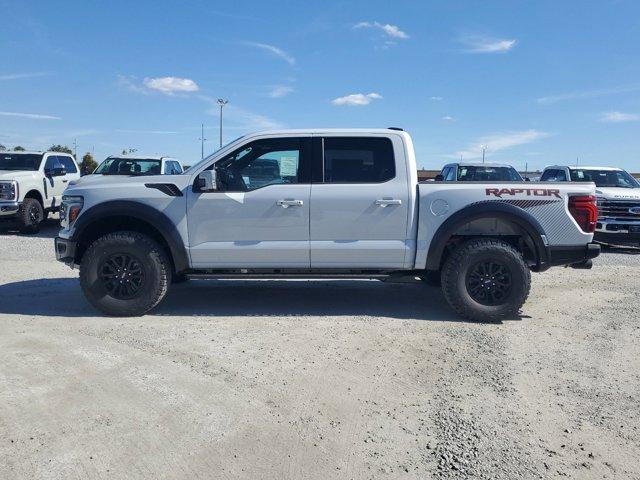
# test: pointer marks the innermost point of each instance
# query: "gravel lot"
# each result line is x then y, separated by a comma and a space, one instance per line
317, 380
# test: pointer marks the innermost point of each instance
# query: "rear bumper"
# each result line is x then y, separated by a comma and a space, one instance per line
9, 209
569, 255
65, 251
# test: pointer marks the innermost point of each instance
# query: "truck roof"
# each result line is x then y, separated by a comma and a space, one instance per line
479, 164
32, 152
142, 157
585, 167
299, 131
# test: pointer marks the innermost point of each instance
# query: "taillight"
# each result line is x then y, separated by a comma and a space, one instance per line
584, 210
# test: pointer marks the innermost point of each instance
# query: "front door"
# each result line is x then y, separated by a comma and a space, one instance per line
259, 215
54, 185
359, 207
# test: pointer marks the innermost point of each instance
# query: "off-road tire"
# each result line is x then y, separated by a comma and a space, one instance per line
431, 277
30, 216
465, 259
151, 260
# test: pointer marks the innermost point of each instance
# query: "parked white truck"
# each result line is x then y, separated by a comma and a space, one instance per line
31, 185
321, 203
618, 198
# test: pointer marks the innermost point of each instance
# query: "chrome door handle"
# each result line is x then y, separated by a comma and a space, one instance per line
290, 203
383, 202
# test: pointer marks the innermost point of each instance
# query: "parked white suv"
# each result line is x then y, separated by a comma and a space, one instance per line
618, 196
31, 185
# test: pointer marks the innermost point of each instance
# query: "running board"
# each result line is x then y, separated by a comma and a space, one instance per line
310, 276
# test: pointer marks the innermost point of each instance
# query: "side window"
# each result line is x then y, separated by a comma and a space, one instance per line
177, 168
549, 176
358, 160
167, 168
451, 175
259, 164
68, 164
562, 176
51, 163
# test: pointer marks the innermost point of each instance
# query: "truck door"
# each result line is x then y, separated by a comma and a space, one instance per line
54, 183
259, 215
359, 203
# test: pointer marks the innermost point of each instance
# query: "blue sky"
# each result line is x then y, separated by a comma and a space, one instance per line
536, 82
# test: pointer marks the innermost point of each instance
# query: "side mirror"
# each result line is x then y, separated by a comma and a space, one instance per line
206, 181
439, 178
56, 172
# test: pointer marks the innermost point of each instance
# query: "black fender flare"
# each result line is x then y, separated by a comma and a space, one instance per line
142, 212
488, 209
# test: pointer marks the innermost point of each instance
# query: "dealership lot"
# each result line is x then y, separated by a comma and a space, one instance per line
318, 379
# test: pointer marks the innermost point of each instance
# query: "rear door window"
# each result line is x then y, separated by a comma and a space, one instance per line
358, 160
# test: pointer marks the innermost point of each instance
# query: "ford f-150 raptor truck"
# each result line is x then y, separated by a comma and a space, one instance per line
617, 196
321, 203
31, 185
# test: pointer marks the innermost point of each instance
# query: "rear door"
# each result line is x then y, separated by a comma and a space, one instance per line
359, 203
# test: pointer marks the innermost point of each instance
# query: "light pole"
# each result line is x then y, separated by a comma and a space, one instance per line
484, 149
202, 140
222, 102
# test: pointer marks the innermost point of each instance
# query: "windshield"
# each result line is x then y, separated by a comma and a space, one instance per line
488, 174
129, 166
206, 159
605, 178
20, 161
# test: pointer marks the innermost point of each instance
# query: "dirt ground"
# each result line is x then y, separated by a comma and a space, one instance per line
317, 379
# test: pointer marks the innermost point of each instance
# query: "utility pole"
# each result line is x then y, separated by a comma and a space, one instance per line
484, 149
75, 148
202, 140
222, 102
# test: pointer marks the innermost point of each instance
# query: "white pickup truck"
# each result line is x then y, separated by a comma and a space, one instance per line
31, 185
321, 203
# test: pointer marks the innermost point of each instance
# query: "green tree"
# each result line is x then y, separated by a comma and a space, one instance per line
19, 148
88, 164
2, 148
61, 149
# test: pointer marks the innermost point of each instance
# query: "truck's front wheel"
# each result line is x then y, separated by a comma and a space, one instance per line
486, 279
125, 274
30, 216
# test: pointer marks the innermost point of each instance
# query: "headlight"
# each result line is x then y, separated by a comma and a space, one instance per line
9, 190
70, 209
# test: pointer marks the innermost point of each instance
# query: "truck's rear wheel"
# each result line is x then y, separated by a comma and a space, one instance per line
30, 216
125, 274
486, 279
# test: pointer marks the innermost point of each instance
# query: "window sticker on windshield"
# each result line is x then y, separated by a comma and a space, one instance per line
288, 166
580, 174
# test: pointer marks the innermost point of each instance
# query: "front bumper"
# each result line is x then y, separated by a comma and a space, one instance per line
65, 251
573, 256
9, 209
618, 231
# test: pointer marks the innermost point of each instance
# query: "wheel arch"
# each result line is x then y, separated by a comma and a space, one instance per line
509, 221
35, 194
121, 215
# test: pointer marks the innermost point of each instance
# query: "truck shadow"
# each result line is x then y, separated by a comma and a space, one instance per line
49, 229
62, 297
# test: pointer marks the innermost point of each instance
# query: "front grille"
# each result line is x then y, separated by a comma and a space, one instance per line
618, 209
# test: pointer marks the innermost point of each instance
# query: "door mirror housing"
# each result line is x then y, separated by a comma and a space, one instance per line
206, 181
439, 178
56, 172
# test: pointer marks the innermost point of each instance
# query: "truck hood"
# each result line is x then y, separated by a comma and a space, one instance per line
91, 180
16, 174
614, 193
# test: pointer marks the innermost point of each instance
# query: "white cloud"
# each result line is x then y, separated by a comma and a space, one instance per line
390, 30
280, 91
616, 117
498, 142
448, 118
34, 116
435, 99
171, 85
356, 99
484, 44
273, 50
587, 94
16, 76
